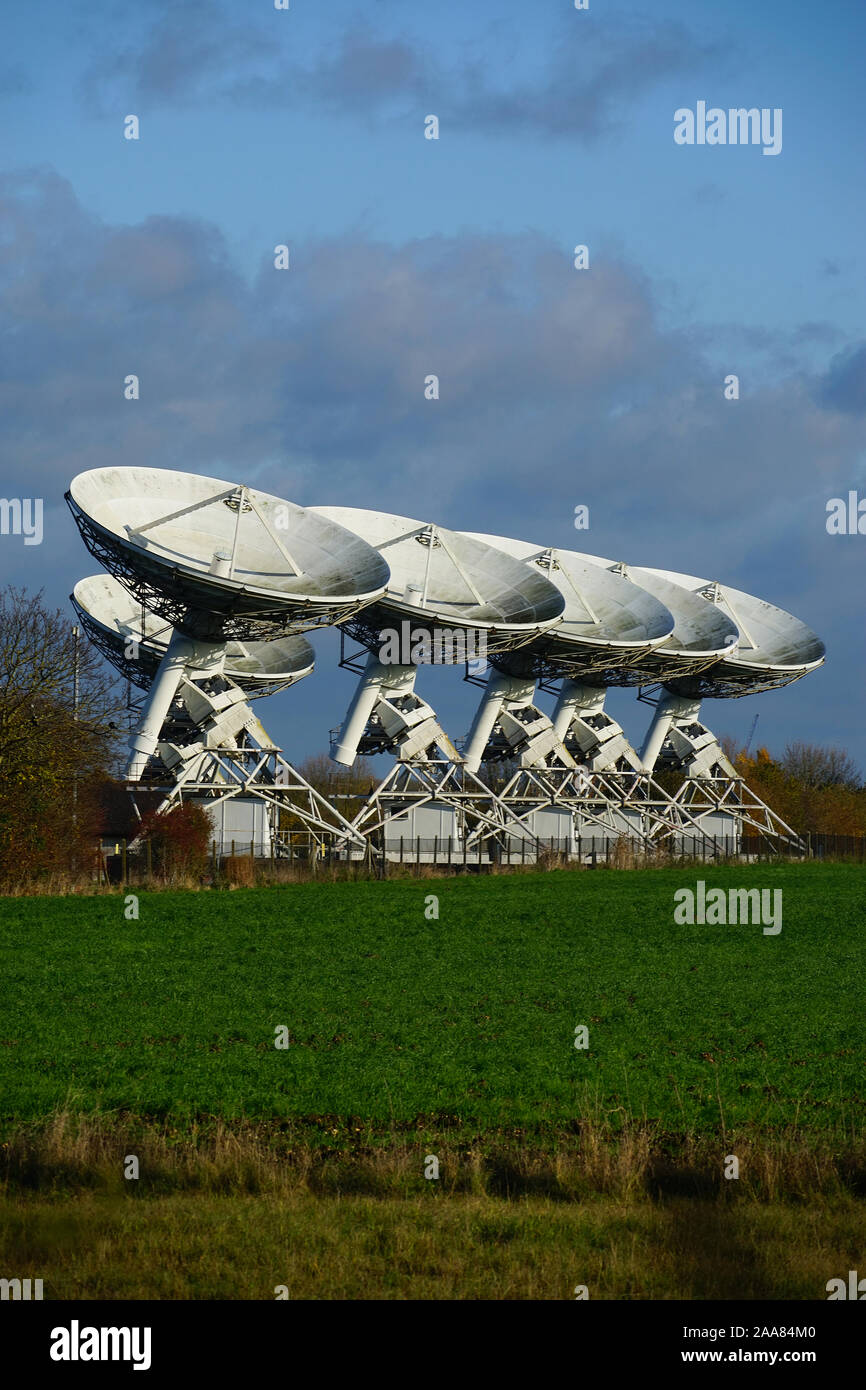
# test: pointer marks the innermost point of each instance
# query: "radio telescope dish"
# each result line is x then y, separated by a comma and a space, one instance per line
135, 640
608, 621
219, 560
773, 648
448, 579
702, 632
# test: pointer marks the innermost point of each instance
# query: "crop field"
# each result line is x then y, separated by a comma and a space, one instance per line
394, 1017
409, 1034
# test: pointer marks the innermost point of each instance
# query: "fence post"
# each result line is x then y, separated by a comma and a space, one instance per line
148, 849
124, 867
435, 849
417, 856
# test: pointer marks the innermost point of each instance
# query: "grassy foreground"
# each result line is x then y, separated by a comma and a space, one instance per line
192, 1246
393, 1017
410, 1035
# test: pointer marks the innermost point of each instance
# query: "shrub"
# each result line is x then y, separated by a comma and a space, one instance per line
179, 839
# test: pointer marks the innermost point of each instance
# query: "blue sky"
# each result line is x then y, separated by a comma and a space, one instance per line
452, 256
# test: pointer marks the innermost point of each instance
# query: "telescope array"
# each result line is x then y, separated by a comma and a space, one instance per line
209, 587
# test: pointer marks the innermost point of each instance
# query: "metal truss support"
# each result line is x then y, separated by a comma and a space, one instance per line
441, 785
217, 775
677, 740
215, 749
578, 767
701, 797
386, 715
613, 803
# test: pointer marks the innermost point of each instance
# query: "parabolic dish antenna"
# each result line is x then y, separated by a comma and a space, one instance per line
136, 640
773, 649
444, 579
219, 560
702, 632
608, 621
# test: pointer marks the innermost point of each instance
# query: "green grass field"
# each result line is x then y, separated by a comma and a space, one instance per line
393, 1017
304, 1166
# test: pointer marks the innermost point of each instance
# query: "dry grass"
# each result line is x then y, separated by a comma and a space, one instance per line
239, 870
330, 1210
185, 1246
70, 1152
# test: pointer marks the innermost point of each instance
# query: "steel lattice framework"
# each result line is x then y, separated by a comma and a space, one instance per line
548, 616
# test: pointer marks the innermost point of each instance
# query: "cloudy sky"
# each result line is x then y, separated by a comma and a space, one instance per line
454, 256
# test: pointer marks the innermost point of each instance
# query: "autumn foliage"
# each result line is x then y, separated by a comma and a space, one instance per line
179, 840
59, 713
814, 789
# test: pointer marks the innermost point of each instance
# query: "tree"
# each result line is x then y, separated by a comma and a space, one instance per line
813, 789
59, 717
497, 775
329, 777
346, 787
814, 766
